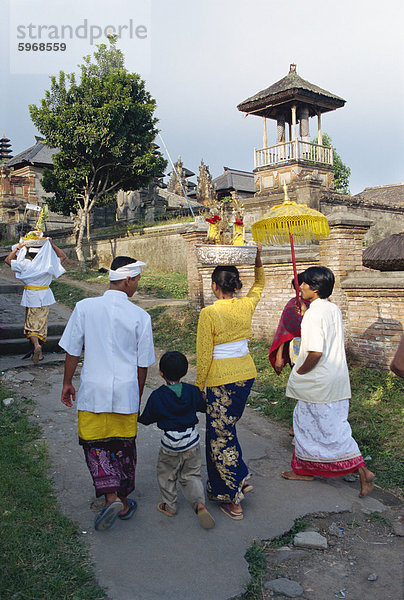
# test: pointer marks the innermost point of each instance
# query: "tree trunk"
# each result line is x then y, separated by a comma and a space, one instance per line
90, 248
81, 225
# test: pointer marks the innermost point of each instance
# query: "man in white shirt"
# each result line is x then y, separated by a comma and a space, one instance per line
118, 348
324, 445
36, 273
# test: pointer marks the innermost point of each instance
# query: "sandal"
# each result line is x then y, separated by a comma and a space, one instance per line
131, 510
226, 508
108, 515
205, 518
162, 507
247, 487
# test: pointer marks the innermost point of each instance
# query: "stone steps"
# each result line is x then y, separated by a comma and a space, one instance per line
22, 345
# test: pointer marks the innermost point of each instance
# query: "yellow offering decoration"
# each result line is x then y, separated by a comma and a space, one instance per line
289, 222
303, 223
238, 233
36, 235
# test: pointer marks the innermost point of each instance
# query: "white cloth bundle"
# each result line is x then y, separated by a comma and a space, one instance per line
130, 270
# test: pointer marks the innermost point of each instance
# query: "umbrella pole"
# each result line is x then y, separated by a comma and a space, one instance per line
292, 248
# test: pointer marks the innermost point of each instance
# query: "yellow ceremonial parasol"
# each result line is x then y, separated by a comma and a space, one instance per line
290, 222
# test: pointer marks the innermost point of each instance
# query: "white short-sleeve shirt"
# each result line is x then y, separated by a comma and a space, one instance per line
117, 339
322, 331
39, 273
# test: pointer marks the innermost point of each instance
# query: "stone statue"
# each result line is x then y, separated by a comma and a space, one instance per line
205, 191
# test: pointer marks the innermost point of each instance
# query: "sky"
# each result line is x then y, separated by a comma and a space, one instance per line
201, 58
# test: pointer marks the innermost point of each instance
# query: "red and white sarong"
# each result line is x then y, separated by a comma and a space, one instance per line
324, 446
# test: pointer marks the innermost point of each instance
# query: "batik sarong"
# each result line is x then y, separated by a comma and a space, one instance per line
288, 328
227, 471
324, 445
112, 466
36, 322
109, 444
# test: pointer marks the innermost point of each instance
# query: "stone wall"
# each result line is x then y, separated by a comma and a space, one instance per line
161, 248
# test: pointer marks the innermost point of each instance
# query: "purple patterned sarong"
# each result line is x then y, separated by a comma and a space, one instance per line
112, 466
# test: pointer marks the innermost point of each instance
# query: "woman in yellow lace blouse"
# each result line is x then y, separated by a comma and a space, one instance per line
226, 368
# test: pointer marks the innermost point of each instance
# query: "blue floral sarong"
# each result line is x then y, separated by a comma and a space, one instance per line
227, 472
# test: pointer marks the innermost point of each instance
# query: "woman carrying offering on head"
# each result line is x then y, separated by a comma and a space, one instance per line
226, 368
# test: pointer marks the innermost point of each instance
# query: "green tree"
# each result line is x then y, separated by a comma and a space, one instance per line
342, 173
103, 126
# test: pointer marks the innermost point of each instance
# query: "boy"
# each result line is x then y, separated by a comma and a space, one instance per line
173, 407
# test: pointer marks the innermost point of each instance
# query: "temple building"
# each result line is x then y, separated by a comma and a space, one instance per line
235, 183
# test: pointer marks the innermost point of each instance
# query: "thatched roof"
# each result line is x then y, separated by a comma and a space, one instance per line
277, 99
386, 255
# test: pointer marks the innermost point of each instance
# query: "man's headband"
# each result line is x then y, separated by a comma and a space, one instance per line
130, 270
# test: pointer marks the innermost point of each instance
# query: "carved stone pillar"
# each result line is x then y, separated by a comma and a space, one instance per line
304, 124
195, 285
280, 130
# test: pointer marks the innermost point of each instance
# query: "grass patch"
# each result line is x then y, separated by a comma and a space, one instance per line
376, 517
287, 538
68, 294
162, 284
174, 328
257, 566
90, 275
42, 552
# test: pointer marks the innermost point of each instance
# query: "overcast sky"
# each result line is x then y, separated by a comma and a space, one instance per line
201, 58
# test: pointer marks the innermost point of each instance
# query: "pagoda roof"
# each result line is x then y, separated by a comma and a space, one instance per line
232, 179
40, 154
187, 172
277, 99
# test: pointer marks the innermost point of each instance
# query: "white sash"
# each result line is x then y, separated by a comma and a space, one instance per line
231, 349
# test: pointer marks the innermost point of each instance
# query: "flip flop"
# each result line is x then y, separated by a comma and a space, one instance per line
132, 508
205, 518
247, 487
162, 507
225, 507
108, 515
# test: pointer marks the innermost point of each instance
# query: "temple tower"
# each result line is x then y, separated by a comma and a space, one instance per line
5, 148
291, 157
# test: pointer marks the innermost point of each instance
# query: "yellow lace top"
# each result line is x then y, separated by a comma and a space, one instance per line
222, 322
